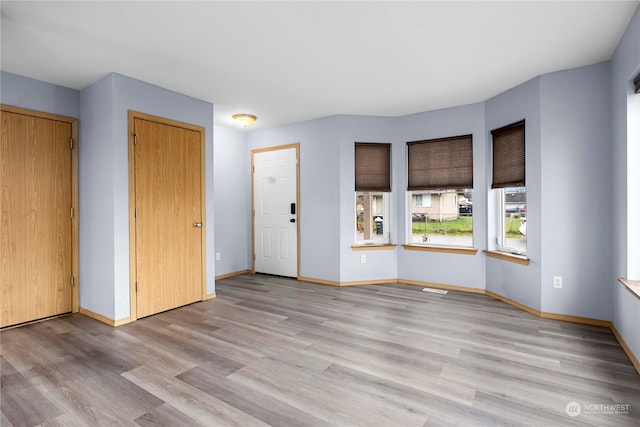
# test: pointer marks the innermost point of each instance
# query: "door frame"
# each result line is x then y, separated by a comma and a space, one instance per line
133, 296
75, 269
295, 145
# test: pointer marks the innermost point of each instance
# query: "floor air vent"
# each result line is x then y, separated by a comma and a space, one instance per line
435, 291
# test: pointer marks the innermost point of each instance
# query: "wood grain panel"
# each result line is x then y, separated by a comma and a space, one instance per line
202, 407
279, 352
35, 219
262, 406
168, 202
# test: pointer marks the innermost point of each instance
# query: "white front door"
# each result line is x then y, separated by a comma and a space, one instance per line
276, 211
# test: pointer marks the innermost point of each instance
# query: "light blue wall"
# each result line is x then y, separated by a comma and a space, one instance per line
577, 191
232, 209
570, 165
319, 191
443, 268
36, 95
96, 199
514, 281
625, 65
327, 183
564, 161
105, 135
102, 110
379, 265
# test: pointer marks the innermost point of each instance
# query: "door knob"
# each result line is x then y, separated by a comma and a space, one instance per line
197, 224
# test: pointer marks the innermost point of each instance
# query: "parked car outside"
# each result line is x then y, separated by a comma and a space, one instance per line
465, 208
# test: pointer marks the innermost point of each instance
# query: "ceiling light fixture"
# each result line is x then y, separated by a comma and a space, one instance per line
245, 120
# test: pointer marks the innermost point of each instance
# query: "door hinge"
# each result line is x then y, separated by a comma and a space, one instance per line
71, 213
135, 139
136, 286
71, 141
72, 282
135, 213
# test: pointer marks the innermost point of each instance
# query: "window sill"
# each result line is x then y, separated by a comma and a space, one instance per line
373, 247
632, 285
445, 249
506, 256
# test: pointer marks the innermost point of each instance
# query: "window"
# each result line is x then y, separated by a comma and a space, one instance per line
422, 200
372, 192
372, 217
633, 182
508, 183
440, 191
512, 224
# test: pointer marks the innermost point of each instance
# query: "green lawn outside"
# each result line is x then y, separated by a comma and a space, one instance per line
462, 226
513, 224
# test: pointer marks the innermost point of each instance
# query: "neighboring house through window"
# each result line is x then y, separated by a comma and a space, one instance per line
440, 191
422, 200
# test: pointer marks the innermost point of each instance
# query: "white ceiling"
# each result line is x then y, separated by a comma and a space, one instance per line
292, 61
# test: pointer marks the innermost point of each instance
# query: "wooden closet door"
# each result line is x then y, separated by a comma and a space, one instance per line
35, 218
168, 219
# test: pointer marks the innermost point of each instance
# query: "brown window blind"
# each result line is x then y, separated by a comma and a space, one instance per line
508, 156
438, 164
636, 83
373, 166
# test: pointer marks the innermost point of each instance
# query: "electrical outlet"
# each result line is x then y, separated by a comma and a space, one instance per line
217, 256
557, 282
363, 259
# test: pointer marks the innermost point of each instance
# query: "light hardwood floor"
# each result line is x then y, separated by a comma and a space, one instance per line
274, 351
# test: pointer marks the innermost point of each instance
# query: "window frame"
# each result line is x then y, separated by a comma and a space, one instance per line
501, 238
372, 175
510, 175
456, 200
386, 220
457, 176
